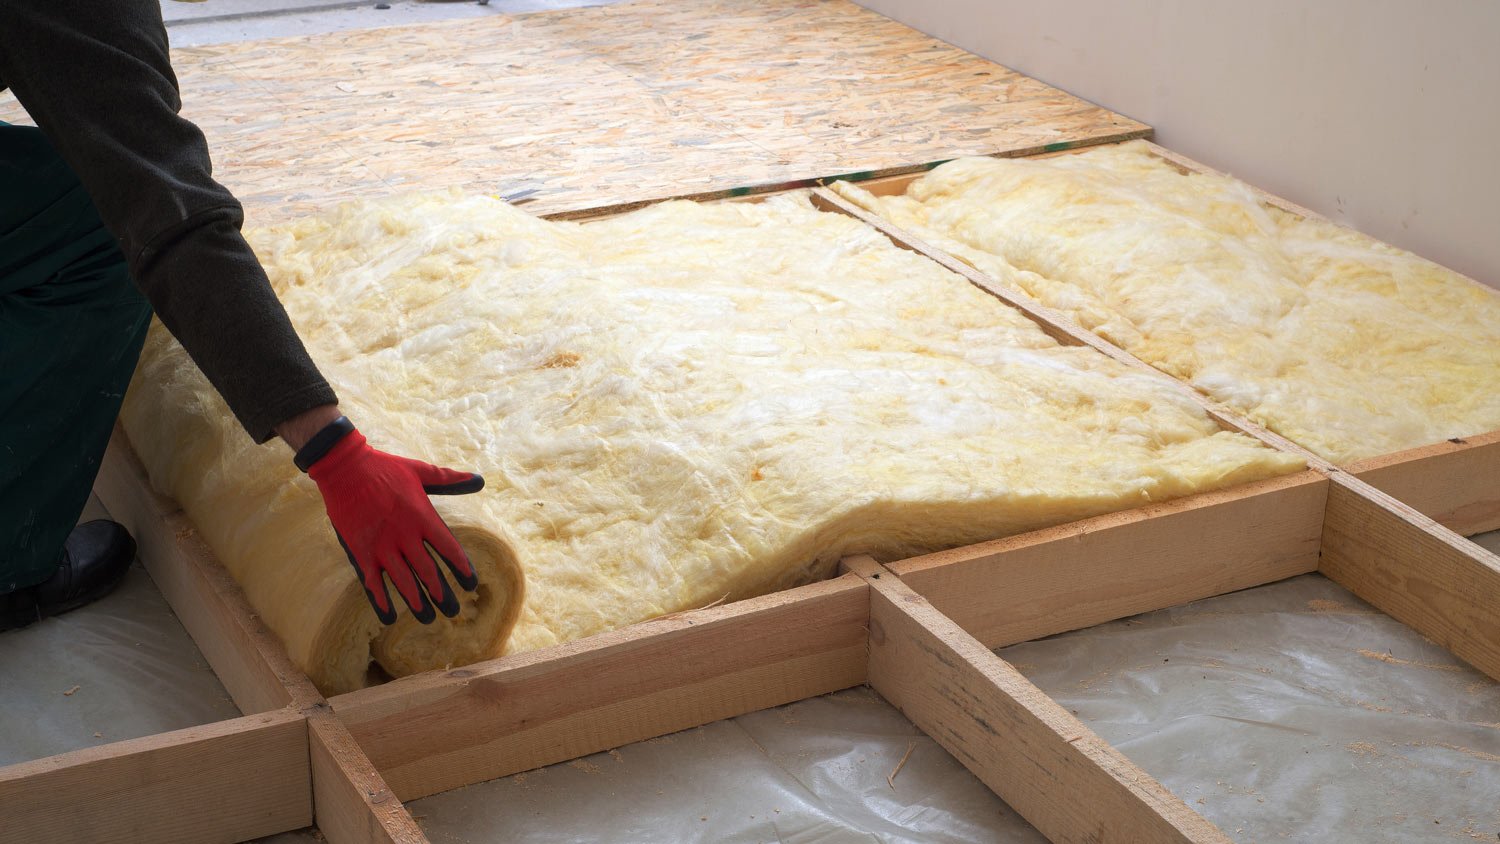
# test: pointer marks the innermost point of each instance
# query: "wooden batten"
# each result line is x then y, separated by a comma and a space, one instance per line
891, 185
351, 802
1057, 773
433, 732
1456, 482
1120, 564
1413, 569
248, 659
224, 782
1053, 322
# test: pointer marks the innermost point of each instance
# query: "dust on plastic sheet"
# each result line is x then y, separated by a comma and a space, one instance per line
119, 668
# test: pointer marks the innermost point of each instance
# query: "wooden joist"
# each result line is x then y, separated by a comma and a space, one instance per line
1057, 773
223, 782
1418, 572
442, 730
1120, 564
248, 659
351, 802
1050, 320
1455, 482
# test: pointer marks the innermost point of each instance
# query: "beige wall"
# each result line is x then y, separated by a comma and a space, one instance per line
1384, 115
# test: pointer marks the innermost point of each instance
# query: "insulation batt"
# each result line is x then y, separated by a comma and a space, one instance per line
1351, 347
677, 406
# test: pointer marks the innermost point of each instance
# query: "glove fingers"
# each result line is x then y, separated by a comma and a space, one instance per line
431, 578
379, 597
446, 546
373, 583
406, 584
437, 481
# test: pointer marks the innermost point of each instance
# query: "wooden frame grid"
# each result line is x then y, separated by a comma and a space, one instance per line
919, 631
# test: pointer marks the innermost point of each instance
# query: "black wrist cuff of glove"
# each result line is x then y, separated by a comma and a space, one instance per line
323, 442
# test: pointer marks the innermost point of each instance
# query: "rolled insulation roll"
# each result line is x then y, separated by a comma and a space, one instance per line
265, 521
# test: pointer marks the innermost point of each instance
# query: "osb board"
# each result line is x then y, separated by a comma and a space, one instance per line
609, 105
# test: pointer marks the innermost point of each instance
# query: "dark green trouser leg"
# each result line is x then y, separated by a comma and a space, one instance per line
71, 328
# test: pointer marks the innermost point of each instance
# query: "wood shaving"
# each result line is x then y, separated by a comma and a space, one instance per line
1395, 660
891, 779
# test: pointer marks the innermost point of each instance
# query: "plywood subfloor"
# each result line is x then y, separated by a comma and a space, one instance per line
607, 105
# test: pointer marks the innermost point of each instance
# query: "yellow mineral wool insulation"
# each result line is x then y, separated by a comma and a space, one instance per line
1351, 347
266, 523
681, 405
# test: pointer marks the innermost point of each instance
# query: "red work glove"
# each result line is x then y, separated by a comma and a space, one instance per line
380, 512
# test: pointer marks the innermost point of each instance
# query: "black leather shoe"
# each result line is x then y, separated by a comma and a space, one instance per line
94, 561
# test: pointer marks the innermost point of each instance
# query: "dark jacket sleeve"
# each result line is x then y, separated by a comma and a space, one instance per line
97, 79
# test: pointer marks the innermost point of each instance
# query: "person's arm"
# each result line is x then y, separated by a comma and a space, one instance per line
97, 79
296, 431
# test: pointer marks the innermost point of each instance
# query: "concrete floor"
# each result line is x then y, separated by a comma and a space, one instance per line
206, 22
